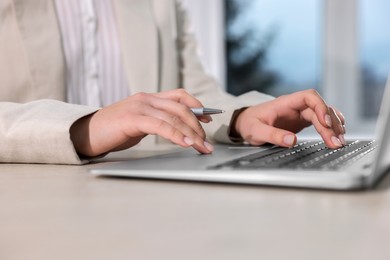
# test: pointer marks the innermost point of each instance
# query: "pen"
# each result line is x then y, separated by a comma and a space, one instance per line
201, 111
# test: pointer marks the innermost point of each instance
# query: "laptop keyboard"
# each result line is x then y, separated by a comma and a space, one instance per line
305, 155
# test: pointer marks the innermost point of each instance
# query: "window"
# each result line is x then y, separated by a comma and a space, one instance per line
341, 48
272, 46
374, 53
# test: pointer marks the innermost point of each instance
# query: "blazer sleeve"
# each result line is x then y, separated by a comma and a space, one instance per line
204, 87
38, 132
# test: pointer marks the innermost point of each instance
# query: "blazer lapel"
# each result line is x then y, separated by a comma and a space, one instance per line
140, 44
39, 28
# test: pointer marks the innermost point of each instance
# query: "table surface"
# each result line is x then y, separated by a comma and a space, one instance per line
63, 212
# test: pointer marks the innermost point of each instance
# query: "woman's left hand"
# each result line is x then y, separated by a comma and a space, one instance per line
278, 120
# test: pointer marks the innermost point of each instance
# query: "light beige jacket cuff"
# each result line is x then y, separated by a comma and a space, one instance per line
38, 132
218, 129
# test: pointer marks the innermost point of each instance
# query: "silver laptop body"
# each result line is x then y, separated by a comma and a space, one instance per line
228, 164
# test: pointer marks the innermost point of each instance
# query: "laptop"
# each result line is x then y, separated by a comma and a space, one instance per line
309, 164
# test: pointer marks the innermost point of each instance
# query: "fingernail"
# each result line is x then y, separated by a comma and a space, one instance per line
336, 141
289, 140
342, 115
208, 146
342, 139
188, 140
328, 120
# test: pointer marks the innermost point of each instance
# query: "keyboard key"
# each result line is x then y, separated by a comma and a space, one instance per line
305, 155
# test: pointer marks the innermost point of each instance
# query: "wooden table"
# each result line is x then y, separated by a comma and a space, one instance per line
63, 212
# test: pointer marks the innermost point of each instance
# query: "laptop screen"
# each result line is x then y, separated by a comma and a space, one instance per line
383, 135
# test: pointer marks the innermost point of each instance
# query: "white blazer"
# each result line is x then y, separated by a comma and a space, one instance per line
160, 53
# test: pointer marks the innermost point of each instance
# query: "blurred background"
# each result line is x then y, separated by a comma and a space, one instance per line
341, 48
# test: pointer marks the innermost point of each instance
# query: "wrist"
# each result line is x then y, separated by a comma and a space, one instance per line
233, 133
79, 135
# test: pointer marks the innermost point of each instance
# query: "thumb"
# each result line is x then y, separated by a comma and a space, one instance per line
269, 134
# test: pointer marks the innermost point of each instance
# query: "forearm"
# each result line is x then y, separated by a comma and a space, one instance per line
38, 132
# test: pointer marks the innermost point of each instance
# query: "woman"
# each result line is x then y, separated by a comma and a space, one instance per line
62, 60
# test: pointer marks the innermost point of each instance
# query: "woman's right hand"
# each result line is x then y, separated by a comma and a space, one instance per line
124, 124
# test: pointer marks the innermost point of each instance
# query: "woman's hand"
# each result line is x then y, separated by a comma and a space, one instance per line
124, 124
278, 120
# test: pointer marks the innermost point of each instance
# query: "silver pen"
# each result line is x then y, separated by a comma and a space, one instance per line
201, 111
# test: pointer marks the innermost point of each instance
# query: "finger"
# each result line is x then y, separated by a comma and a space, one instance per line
261, 133
205, 118
340, 115
331, 139
193, 137
178, 111
337, 125
181, 96
342, 118
311, 99
155, 126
